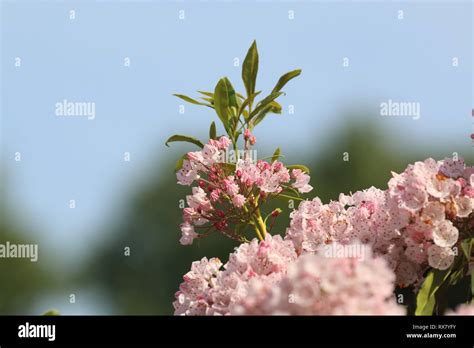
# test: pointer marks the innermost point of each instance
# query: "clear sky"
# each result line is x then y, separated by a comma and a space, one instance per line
82, 60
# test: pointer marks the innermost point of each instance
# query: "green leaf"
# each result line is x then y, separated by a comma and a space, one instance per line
52, 312
224, 98
250, 69
231, 97
260, 116
178, 137
472, 287
276, 154
210, 100
191, 100
264, 104
288, 197
299, 166
292, 190
426, 299
208, 94
213, 131
284, 79
466, 247
247, 101
276, 107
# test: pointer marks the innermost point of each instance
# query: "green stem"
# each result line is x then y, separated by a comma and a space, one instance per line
260, 226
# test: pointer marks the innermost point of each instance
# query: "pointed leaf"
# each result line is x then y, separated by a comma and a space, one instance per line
210, 100
264, 103
178, 137
247, 101
426, 299
224, 98
299, 166
260, 116
284, 79
276, 154
190, 100
231, 98
467, 246
213, 131
276, 107
207, 94
250, 69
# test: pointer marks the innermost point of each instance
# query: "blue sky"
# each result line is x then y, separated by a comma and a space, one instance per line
82, 60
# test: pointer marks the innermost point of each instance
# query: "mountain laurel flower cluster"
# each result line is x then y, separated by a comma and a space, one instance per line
319, 285
417, 234
418, 223
210, 290
226, 196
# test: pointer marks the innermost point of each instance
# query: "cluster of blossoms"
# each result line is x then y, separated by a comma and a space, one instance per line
420, 222
230, 194
210, 290
268, 277
415, 224
319, 285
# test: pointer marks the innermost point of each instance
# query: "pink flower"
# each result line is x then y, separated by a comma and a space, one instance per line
209, 290
230, 186
249, 172
211, 155
215, 195
445, 234
247, 134
238, 200
464, 206
302, 181
224, 143
187, 234
187, 174
192, 216
196, 156
439, 257
313, 287
198, 200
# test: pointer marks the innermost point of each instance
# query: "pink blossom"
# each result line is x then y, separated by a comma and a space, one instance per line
440, 257
187, 174
209, 290
188, 234
198, 200
317, 285
411, 229
230, 186
302, 181
238, 200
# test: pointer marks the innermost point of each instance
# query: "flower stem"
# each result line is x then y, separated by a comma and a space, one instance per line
260, 226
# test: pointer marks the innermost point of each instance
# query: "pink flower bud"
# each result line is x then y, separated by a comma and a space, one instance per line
247, 134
